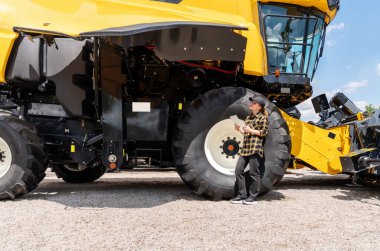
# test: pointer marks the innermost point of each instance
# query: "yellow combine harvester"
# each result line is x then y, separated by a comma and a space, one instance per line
90, 85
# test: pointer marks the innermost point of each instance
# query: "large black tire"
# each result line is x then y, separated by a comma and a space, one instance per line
71, 174
192, 128
28, 159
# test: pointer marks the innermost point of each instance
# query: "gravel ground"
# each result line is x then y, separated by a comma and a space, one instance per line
152, 210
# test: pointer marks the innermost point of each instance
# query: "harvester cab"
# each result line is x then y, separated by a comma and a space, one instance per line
293, 37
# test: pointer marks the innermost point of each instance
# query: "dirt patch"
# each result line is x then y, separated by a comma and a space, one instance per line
151, 210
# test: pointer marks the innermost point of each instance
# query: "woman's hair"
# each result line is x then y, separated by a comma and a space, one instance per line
263, 111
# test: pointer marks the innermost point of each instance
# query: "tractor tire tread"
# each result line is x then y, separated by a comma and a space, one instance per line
36, 160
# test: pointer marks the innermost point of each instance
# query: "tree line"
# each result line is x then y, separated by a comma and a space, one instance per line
369, 110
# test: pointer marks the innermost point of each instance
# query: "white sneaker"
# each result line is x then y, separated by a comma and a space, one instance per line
250, 201
237, 200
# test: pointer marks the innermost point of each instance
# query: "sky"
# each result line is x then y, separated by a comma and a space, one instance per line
351, 57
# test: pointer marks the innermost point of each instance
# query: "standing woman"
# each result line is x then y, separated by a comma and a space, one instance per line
255, 130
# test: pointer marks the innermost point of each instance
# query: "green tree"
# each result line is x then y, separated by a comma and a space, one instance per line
369, 110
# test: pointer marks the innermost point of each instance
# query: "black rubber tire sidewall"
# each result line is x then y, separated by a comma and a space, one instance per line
28, 159
87, 175
192, 129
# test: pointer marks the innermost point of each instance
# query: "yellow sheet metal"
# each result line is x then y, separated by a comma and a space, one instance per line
72, 17
319, 147
321, 5
255, 61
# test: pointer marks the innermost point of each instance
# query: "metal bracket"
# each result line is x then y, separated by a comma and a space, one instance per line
113, 111
355, 177
82, 155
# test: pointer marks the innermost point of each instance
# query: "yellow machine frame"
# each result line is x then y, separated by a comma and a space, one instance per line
70, 18
73, 17
249, 10
318, 147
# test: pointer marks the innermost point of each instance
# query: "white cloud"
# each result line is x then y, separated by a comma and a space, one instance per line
352, 87
349, 88
330, 43
306, 104
308, 114
378, 69
307, 111
333, 27
361, 104
330, 94
329, 29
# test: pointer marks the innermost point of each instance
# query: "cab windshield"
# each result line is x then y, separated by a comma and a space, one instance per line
293, 38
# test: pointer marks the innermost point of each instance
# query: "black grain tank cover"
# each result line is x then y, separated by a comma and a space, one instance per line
24, 64
175, 41
63, 63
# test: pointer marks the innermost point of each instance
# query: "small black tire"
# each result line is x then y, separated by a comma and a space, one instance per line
70, 173
193, 126
28, 162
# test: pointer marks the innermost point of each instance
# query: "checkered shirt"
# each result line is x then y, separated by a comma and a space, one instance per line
253, 143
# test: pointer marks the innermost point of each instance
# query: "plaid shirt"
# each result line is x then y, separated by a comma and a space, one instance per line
253, 143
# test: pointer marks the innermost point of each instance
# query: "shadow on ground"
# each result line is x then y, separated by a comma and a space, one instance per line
114, 192
315, 181
147, 192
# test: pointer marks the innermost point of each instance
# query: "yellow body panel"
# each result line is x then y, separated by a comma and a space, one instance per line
6, 41
313, 145
72, 17
245, 8
256, 61
318, 4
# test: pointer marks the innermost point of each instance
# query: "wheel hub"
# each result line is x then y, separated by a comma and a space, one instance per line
5, 157
222, 145
75, 167
230, 147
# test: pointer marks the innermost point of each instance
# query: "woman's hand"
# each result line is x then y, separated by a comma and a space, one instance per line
252, 131
247, 129
239, 129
